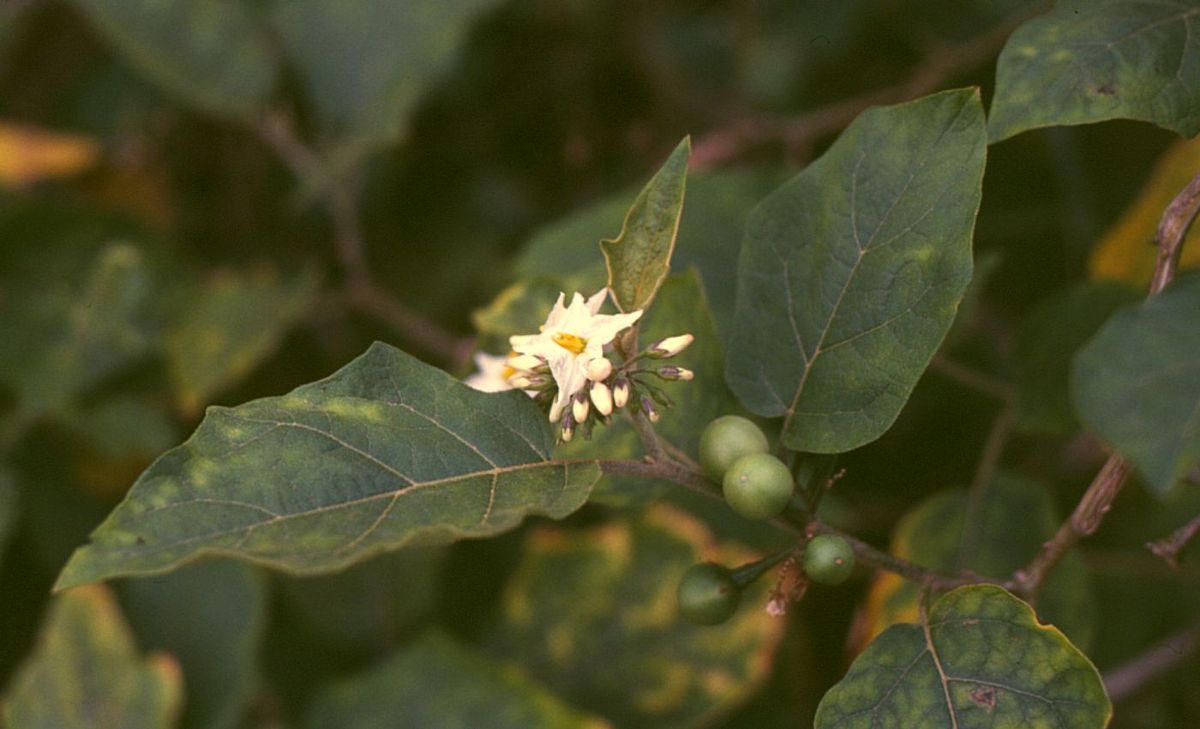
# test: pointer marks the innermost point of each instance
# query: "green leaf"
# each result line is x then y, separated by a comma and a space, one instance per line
387, 452
60, 339
85, 672
1136, 383
216, 641
1048, 339
851, 273
372, 602
981, 659
993, 537
639, 259
1094, 60
230, 322
366, 63
436, 682
709, 236
592, 613
209, 53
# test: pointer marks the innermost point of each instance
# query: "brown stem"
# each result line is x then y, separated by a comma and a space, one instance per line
1097, 500
360, 289
1126, 679
800, 132
1086, 518
1169, 547
1172, 230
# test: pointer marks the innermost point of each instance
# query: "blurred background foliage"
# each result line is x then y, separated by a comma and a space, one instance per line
207, 201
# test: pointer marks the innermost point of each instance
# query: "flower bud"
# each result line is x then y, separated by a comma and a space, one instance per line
671, 372
602, 398
568, 428
649, 409
599, 369
579, 407
671, 346
620, 393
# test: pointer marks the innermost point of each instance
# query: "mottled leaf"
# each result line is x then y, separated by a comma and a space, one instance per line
592, 613
65, 336
366, 63
1136, 383
229, 323
851, 273
981, 659
1047, 341
211, 617
1127, 251
209, 53
438, 683
1092, 60
387, 452
639, 259
1011, 519
85, 672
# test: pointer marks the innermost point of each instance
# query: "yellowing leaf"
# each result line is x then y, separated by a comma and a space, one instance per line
29, 155
1127, 251
85, 672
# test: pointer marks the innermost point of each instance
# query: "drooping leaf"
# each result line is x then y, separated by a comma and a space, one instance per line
69, 335
387, 452
373, 601
710, 236
209, 53
1092, 60
211, 617
30, 155
366, 63
1135, 383
980, 659
436, 682
230, 322
1011, 520
851, 273
1127, 251
1048, 339
592, 613
639, 259
85, 672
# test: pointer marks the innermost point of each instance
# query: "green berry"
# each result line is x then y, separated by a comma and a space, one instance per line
727, 439
758, 486
828, 559
707, 594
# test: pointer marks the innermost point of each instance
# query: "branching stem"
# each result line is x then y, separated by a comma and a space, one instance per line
1169, 547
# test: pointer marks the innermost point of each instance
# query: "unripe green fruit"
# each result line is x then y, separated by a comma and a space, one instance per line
758, 486
727, 439
828, 559
707, 594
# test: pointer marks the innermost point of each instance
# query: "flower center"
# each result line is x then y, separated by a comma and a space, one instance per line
570, 342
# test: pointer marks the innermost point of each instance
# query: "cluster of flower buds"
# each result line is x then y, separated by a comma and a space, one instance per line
567, 367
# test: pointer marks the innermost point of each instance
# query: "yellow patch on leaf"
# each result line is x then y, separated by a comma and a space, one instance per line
29, 155
1127, 251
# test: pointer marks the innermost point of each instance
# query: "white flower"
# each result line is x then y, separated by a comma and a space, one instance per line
572, 337
602, 398
492, 375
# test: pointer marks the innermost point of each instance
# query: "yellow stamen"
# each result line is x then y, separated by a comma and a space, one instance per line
508, 372
570, 342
